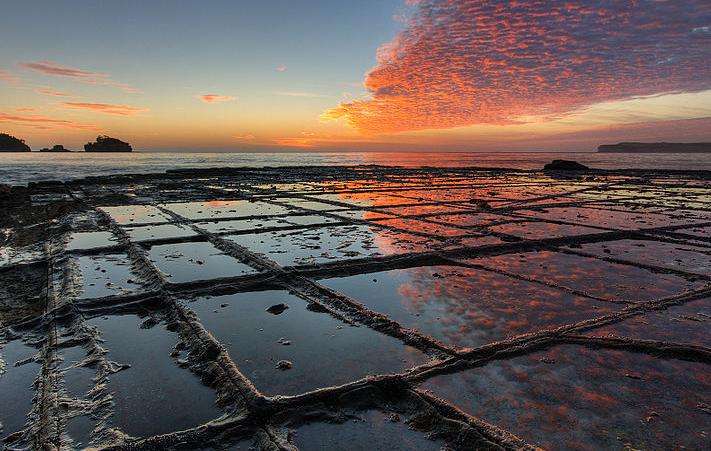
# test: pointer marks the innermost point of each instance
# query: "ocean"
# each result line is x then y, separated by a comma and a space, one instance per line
21, 168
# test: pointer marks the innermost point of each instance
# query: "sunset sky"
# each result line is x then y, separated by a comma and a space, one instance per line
361, 75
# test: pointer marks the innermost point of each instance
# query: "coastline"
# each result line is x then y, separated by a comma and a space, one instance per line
24, 167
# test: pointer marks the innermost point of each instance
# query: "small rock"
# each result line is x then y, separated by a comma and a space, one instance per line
393, 417
149, 323
284, 365
277, 309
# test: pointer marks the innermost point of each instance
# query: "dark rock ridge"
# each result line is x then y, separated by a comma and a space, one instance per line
107, 144
637, 147
56, 148
565, 165
11, 144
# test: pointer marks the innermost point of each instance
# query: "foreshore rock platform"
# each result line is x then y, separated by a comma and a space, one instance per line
362, 307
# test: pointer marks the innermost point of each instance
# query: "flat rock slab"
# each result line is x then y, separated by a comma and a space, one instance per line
323, 351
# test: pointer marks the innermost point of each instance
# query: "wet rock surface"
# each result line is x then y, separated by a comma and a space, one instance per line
356, 308
565, 165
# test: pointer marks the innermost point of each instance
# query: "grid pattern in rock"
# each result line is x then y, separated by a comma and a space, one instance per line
358, 308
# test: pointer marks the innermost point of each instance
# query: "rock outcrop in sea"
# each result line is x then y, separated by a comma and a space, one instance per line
9, 143
55, 148
107, 144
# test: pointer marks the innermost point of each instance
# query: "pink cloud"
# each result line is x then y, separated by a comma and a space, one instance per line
51, 92
51, 68
215, 98
9, 77
469, 62
44, 122
281, 68
94, 78
106, 108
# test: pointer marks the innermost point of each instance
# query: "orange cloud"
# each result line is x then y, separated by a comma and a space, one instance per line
247, 137
106, 108
469, 62
214, 98
51, 92
94, 78
44, 122
304, 143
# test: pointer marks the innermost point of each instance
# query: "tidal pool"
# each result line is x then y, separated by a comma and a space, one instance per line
466, 307
572, 397
188, 262
364, 431
323, 350
590, 275
16, 385
153, 395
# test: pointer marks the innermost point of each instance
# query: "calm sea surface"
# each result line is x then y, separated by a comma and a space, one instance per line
20, 168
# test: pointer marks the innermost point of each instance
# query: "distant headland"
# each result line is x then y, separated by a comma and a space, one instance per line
660, 147
9, 143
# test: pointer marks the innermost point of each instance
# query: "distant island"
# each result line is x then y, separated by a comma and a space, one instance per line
11, 144
56, 148
660, 147
107, 144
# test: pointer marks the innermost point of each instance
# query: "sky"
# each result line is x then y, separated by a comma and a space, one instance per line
394, 75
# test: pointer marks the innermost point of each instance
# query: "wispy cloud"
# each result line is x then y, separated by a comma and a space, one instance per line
51, 92
281, 68
106, 108
215, 98
305, 143
84, 76
300, 94
472, 62
9, 77
43, 122
246, 137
